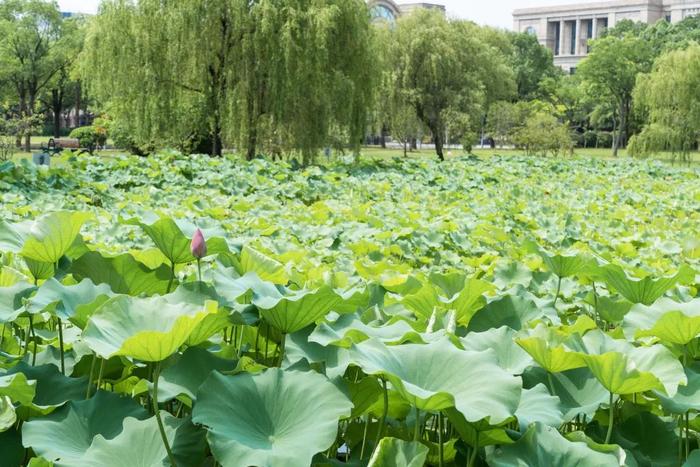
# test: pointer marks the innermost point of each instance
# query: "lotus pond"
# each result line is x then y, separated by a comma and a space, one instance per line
190, 311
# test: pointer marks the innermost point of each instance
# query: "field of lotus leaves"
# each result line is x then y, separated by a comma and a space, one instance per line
190, 311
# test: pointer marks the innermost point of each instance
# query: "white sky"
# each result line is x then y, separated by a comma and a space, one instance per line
491, 12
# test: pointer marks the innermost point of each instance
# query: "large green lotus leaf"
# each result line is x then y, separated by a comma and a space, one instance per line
670, 321
548, 349
451, 284
186, 375
39, 270
67, 299
52, 388
538, 405
350, 329
272, 419
265, 267
297, 310
506, 275
169, 239
122, 273
645, 291
513, 311
52, 235
693, 459
148, 329
623, 368
8, 417
472, 382
469, 300
297, 349
140, 444
233, 288
542, 445
393, 452
364, 394
652, 441
579, 392
510, 356
423, 301
18, 388
66, 434
613, 311
566, 265
11, 237
479, 434
12, 300
687, 398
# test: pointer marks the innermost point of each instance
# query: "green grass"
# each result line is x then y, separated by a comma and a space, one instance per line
603, 153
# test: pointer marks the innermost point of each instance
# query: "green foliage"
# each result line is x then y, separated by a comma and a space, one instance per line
543, 134
670, 94
397, 311
89, 136
193, 75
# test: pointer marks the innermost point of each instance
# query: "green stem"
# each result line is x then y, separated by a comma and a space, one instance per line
687, 435
385, 412
416, 430
556, 297
551, 382
475, 451
611, 421
2, 336
364, 438
31, 328
595, 302
92, 372
172, 278
156, 409
282, 345
99, 375
60, 346
441, 448
199, 270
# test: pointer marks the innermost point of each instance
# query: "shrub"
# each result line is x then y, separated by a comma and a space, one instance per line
90, 136
543, 134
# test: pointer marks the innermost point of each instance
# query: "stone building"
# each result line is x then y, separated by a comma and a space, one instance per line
566, 29
388, 10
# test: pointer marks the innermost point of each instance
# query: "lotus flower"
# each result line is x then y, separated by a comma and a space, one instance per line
199, 245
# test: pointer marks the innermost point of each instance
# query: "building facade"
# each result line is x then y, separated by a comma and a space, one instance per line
390, 11
566, 29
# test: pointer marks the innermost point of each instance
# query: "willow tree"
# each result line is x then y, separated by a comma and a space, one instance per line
448, 69
670, 95
247, 73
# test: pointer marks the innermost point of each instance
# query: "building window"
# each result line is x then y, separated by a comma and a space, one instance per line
530, 30
382, 13
572, 50
572, 70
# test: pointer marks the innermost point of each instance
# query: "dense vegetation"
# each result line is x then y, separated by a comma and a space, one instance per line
395, 313
276, 78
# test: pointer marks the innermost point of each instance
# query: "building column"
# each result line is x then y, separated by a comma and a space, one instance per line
594, 29
562, 35
577, 37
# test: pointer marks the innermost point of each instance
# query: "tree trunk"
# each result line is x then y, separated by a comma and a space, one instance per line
78, 104
439, 144
252, 143
405, 148
615, 140
57, 109
382, 137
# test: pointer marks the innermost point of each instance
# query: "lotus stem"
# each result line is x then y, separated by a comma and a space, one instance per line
199, 270
31, 328
441, 448
556, 296
92, 372
282, 344
172, 277
611, 421
364, 437
551, 382
2, 335
60, 346
687, 435
416, 430
156, 409
99, 375
475, 452
385, 412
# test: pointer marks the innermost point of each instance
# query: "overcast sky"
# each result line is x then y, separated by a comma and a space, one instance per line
492, 12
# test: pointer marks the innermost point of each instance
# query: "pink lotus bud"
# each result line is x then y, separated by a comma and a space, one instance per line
199, 245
